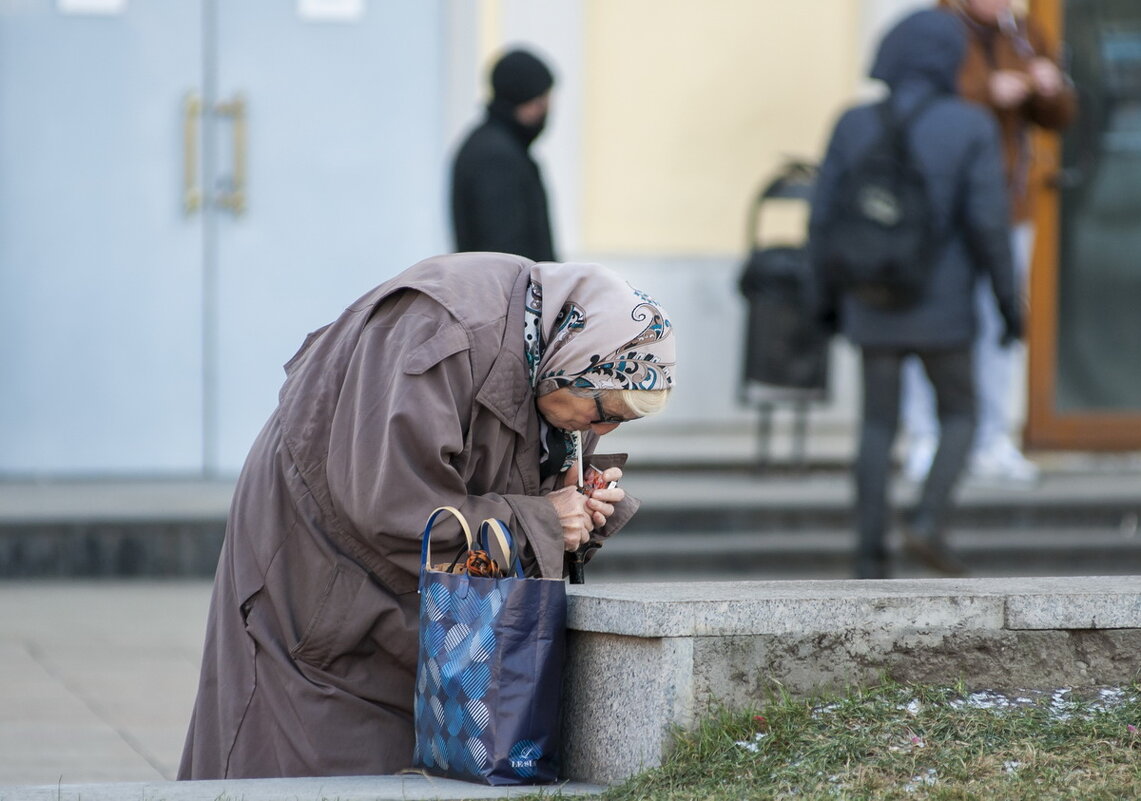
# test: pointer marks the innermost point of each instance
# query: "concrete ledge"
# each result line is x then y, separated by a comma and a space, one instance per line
645, 658
733, 608
344, 788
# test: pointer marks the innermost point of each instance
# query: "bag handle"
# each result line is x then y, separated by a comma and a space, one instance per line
426, 538
503, 539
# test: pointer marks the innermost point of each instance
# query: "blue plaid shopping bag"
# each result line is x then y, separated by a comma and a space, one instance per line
489, 675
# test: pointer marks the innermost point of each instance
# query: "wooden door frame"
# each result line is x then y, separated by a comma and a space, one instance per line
1046, 428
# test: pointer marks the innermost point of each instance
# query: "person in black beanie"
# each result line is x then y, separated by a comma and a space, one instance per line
499, 202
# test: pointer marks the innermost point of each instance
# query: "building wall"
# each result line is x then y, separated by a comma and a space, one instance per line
668, 117
690, 105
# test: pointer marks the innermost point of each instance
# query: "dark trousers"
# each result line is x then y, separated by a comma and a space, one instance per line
950, 374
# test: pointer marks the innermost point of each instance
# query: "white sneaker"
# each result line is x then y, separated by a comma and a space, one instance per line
1000, 460
920, 454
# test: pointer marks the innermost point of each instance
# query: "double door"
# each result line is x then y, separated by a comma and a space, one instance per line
187, 187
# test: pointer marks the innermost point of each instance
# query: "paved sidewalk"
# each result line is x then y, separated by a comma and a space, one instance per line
99, 679
341, 788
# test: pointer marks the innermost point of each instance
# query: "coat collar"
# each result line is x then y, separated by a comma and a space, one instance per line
507, 391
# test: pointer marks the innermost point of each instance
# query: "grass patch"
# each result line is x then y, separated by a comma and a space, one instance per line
907, 742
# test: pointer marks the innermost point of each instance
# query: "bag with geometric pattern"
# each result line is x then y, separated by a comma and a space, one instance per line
489, 673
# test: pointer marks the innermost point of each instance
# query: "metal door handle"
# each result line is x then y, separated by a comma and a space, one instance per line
235, 198
191, 191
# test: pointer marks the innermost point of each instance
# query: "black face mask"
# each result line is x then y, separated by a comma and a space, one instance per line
504, 111
532, 131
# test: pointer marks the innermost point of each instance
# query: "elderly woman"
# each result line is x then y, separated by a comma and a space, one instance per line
459, 382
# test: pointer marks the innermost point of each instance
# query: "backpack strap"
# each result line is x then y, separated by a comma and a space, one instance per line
897, 127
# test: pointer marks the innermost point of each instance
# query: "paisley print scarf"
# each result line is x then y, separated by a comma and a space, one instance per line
586, 327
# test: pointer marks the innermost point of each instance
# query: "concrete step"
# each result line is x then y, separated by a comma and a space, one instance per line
822, 554
1070, 513
739, 500
751, 550
803, 517
115, 548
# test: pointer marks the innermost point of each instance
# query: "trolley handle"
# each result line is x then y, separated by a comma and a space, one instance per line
795, 182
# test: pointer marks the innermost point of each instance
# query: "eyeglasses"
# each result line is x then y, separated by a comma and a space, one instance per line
607, 419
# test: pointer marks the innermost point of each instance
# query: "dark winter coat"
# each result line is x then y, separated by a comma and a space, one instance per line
418, 396
956, 145
499, 202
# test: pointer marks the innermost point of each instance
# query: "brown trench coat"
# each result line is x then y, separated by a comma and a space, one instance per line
990, 49
416, 397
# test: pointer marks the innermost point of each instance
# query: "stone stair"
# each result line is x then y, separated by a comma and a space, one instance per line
739, 525
826, 554
698, 523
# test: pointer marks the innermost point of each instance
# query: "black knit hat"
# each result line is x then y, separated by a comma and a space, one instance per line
519, 76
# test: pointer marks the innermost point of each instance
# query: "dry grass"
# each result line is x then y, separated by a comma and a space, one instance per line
897, 742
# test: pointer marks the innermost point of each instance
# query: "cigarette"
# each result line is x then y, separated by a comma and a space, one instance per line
578, 449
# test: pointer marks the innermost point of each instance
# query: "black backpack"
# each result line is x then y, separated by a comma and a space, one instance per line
881, 240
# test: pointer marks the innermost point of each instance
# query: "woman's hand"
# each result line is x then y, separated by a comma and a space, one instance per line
600, 504
570, 506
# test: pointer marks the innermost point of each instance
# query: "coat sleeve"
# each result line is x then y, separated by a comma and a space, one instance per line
825, 294
623, 510
985, 215
1053, 113
401, 422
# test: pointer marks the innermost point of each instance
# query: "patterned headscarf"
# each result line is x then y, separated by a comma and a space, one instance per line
587, 327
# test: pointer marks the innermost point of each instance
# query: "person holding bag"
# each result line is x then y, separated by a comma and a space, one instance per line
460, 382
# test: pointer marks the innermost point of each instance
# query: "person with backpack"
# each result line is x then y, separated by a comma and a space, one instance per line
909, 209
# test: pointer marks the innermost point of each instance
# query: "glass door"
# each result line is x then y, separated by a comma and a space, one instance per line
1085, 363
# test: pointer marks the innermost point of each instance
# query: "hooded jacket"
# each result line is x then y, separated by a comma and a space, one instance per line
499, 202
955, 144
